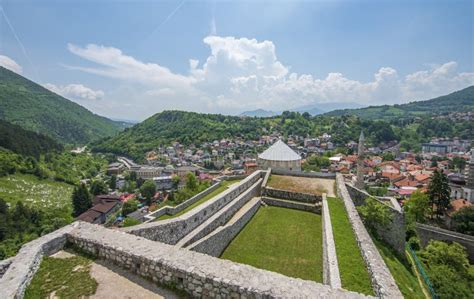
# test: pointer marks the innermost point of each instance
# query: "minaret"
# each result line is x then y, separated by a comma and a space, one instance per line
360, 162
470, 172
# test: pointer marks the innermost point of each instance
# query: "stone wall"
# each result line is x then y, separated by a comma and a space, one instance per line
290, 195
216, 242
4, 264
170, 231
382, 280
321, 175
197, 274
25, 264
428, 232
221, 217
393, 233
330, 266
315, 208
167, 210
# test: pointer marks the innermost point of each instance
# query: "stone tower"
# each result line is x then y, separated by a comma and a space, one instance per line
468, 190
360, 162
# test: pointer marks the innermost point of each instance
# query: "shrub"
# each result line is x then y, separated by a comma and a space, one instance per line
375, 214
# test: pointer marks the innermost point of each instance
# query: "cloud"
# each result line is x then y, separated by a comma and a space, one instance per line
75, 91
10, 64
241, 74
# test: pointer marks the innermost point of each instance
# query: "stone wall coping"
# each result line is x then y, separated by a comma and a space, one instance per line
242, 277
330, 265
382, 280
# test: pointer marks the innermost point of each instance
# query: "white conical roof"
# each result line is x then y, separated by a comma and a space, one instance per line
279, 151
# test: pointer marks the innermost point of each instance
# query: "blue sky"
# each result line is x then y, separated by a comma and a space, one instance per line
130, 60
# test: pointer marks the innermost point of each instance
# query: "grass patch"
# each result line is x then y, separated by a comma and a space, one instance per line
64, 277
281, 240
406, 280
352, 268
224, 186
43, 194
297, 184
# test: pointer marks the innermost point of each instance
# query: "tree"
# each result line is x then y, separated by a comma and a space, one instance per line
148, 190
4, 219
129, 207
458, 163
417, 207
113, 182
81, 200
375, 214
463, 220
176, 179
439, 193
98, 187
191, 181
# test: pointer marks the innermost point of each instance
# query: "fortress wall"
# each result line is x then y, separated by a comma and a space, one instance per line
224, 215
320, 175
290, 195
4, 264
197, 274
315, 208
216, 242
172, 230
382, 280
393, 233
24, 265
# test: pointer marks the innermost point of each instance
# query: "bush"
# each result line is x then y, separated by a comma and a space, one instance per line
414, 243
129, 207
130, 222
463, 220
375, 214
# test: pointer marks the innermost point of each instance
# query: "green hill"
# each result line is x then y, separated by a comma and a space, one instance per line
35, 108
24, 142
459, 101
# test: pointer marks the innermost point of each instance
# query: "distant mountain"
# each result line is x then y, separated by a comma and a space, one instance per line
321, 108
24, 142
459, 101
35, 108
259, 113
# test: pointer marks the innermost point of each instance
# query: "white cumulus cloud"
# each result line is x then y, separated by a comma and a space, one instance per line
10, 64
75, 91
241, 74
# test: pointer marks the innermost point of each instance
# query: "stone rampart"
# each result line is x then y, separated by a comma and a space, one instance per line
315, 208
321, 175
25, 264
266, 177
216, 242
330, 266
394, 232
4, 264
290, 195
197, 274
428, 232
222, 216
170, 231
167, 210
382, 280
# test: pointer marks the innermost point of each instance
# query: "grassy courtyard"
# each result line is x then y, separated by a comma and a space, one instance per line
352, 268
62, 278
301, 184
224, 186
43, 194
281, 240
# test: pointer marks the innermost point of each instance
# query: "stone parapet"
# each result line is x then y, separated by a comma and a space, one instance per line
309, 207
290, 195
330, 266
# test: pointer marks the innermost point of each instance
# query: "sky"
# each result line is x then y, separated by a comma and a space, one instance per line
132, 59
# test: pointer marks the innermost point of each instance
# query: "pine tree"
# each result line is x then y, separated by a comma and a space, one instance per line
81, 200
439, 193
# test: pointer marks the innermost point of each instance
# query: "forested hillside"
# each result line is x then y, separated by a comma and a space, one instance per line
459, 101
25, 142
35, 108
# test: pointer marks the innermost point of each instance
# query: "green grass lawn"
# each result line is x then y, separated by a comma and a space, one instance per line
66, 277
43, 194
281, 240
402, 272
224, 186
352, 268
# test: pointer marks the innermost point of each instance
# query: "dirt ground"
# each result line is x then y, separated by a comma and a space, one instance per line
303, 184
117, 283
